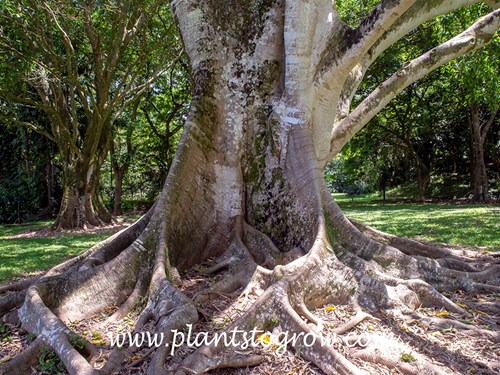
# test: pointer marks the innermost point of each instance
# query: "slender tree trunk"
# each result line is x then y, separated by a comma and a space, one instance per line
119, 174
423, 180
479, 176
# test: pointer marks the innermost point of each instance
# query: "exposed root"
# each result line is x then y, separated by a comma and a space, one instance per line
22, 363
411, 247
378, 354
430, 297
36, 317
18, 285
130, 303
302, 309
277, 292
440, 323
358, 318
210, 364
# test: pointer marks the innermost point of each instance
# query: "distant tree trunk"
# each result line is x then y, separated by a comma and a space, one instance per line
422, 171
119, 174
423, 180
479, 176
50, 184
81, 204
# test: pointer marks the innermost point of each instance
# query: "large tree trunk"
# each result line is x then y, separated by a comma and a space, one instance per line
81, 204
246, 191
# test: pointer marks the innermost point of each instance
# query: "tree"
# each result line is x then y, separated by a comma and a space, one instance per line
476, 77
82, 63
273, 82
28, 173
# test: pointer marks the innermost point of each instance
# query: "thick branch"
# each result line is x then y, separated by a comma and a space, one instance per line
478, 35
421, 11
357, 42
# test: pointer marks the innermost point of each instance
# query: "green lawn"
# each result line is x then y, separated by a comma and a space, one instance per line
457, 224
25, 256
471, 225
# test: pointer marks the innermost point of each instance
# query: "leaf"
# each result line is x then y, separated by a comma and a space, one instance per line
134, 358
98, 342
435, 334
265, 339
329, 308
442, 314
407, 357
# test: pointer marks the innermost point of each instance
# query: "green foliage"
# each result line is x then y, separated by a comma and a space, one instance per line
475, 75
104, 58
423, 134
407, 357
76, 341
77, 50
26, 161
353, 11
351, 175
50, 363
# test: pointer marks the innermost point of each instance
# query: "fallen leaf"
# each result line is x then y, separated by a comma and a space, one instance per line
134, 358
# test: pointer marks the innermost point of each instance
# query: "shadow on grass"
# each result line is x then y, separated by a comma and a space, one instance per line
456, 224
22, 256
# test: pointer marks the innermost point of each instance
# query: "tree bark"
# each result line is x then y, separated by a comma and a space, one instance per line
81, 204
119, 174
423, 179
479, 175
246, 190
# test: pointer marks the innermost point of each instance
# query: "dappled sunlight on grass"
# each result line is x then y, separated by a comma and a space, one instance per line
24, 256
470, 225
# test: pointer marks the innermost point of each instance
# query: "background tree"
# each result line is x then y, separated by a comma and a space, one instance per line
476, 85
273, 83
28, 173
82, 64
427, 123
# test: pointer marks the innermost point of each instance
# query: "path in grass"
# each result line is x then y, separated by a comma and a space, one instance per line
475, 226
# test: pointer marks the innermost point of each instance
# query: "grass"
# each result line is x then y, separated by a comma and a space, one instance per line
26, 256
457, 224
470, 225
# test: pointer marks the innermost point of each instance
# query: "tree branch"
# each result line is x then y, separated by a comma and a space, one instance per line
355, 43
478, 35
421, 11
487, 126
29, 125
